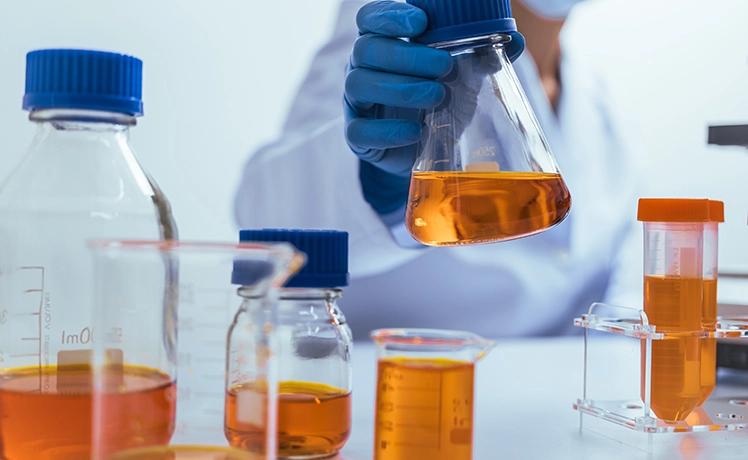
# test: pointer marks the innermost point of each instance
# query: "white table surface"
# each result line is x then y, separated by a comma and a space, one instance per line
524, 395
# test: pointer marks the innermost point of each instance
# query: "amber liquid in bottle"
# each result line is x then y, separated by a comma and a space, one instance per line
313, 419
709, 346
424, 409
462, 207
54, 423
674, 304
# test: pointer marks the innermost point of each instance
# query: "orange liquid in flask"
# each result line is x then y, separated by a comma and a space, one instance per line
54, 423
424, 409
709, 346
461, 207
674, 304
313, 418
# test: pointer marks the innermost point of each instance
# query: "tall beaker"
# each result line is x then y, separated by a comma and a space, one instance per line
425, 393
142, 374
484, 171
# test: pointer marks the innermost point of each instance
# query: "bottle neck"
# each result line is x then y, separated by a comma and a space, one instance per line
469, 45
326, 294
83, 120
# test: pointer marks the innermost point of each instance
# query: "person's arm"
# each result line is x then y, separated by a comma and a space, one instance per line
311, 181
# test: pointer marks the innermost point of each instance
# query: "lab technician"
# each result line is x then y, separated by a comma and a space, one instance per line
351, 173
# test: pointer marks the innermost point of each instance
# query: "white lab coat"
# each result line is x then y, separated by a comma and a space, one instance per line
532, 286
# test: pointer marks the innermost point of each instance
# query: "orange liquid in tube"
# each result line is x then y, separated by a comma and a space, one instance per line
464, 207
674, 304
709, 346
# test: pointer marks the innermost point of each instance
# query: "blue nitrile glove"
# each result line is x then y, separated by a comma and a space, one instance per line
388, 84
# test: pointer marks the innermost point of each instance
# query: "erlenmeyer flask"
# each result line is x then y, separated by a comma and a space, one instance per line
484, 171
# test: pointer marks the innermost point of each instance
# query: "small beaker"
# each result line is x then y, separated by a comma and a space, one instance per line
425, 393
146, 386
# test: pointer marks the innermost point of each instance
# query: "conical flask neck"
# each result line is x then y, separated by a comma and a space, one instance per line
465, 45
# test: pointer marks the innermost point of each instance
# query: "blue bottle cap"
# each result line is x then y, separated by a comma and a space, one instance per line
460, 19
83, 79
326, 252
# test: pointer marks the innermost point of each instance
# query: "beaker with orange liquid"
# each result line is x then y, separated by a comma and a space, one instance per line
312, 349
425, 393
673, 301
136, 394
709, 307
484, 170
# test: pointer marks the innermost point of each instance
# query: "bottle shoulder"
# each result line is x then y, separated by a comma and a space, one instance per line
91, 175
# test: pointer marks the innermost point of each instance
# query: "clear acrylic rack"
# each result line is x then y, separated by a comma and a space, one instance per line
621, 409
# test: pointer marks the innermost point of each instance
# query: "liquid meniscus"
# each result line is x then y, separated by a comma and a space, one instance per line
674, 304
314, 420
45, 414
424, 409
461, 207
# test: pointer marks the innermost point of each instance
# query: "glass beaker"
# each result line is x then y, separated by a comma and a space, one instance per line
673, 292
79, 179
425, 393
484, 171
142, 374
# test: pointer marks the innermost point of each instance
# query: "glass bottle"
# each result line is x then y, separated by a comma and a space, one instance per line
79, 180
313, 348
484, 171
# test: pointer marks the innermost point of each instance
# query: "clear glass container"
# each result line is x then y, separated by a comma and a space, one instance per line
484, 171
314, 373
425, 393
149, 386
79, 180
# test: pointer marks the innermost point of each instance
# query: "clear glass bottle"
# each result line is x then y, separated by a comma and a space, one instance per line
79, 180
313, 344
484, 171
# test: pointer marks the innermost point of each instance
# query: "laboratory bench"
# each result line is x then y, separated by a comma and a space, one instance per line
525, 391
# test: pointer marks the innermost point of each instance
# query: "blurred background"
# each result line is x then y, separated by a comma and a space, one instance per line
220, 75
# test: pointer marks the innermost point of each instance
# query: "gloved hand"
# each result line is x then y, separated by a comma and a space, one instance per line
389, 82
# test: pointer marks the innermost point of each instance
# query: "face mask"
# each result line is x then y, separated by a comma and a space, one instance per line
551, 9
